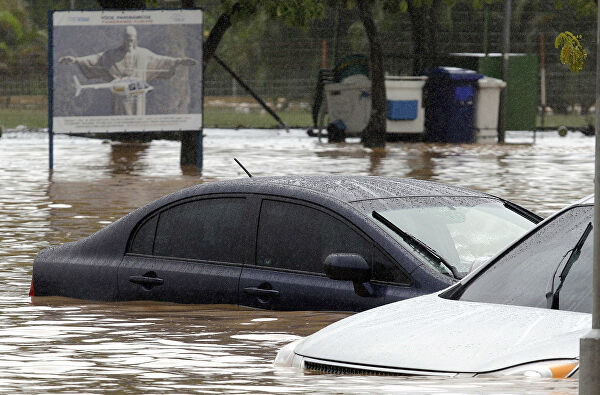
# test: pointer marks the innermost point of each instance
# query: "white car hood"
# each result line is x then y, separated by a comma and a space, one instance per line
434, 334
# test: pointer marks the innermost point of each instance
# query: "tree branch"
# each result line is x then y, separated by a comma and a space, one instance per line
217, 33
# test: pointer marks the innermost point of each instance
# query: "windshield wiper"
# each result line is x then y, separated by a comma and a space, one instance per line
536, 219
553, 296
417, 244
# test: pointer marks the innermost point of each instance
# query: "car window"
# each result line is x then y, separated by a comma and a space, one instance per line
385, 270
143, 240
297, 237
524, 275
465, 231
208, 229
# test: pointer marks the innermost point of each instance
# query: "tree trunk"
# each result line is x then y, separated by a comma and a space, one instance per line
419, 32
425, 22
374, 134
431, 54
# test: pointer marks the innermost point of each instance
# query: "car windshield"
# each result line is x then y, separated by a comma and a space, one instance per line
531, 271
465, 232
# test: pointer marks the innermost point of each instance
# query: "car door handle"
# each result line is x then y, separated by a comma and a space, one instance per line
143, 280
261, 291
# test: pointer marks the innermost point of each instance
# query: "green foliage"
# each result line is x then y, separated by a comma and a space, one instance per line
298, 13
10, 27
478, 4
572, 53
295, 12
394, 6
19, 39
153, 4
583, 7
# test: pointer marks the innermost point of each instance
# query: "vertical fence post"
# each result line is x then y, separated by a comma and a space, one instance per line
200, 150
505, 58
589, 345
50, 94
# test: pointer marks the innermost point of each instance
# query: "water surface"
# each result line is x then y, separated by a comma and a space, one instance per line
66, 345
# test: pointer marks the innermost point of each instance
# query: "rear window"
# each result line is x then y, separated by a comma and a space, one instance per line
207, 230
143, 241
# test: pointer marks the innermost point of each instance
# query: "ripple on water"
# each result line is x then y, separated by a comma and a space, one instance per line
66, 345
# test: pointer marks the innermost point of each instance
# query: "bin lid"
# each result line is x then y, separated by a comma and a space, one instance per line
489, 82
351, 65
453, 73
348, 86
406, 77
484, 55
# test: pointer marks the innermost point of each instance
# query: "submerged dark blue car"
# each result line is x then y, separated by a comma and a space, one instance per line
340, 243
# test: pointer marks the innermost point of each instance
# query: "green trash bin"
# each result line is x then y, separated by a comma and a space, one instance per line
350, 65
522, 88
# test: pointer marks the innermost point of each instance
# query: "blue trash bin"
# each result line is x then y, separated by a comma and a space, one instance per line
449, 101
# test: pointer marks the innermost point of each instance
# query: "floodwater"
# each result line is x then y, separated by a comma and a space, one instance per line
65, 345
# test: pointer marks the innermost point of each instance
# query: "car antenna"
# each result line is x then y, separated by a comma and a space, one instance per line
243, 168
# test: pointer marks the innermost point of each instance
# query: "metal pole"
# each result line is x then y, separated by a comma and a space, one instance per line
336, 27
200, 150
50, 92
250, 91
589, 345
542, 84
486, 30
505, 55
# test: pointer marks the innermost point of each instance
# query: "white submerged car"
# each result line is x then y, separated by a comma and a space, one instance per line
522, 313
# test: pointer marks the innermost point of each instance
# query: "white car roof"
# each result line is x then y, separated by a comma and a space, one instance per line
586, 200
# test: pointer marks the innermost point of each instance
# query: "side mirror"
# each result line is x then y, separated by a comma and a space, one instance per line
347, 267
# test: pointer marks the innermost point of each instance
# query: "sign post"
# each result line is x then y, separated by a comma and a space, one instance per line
50, 80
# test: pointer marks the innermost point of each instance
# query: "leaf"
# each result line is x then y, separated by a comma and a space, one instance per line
11, 24
572, 52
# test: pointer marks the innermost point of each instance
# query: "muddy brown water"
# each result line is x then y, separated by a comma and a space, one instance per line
64, 345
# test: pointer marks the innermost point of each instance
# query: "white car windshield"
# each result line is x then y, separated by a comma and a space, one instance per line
547, 262
465, 232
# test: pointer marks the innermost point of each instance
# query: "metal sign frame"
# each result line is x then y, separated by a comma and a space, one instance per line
124, 85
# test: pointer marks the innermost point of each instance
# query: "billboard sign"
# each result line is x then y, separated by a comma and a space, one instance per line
121, 71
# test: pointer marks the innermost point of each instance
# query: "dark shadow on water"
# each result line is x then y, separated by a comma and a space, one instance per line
125, 157
191, 171
422, 165
375, 155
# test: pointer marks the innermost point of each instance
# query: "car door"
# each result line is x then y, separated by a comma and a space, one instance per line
190, 252
292, 241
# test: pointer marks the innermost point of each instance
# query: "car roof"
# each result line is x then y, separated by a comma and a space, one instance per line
586, 200
349, 188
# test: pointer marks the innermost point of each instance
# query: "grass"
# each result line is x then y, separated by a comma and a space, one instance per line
557, 120
34, 118
227, 118
213, 118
